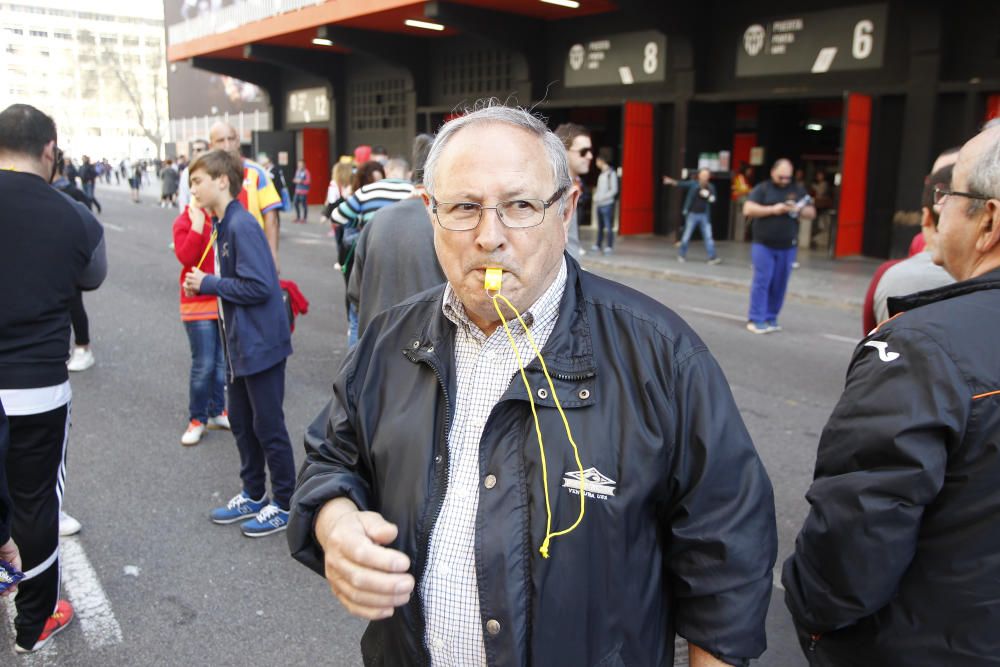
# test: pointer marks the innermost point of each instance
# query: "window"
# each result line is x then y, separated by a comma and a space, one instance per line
62, 35
378, 105
15, 31
477, 73
38, 33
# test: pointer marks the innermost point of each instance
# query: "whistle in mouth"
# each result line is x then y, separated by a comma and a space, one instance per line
493, 278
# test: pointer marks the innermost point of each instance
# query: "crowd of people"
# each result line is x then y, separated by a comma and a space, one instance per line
517, 449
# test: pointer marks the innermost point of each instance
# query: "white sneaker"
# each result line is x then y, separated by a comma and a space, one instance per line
81, 359
192, 436
219, 422
68, 525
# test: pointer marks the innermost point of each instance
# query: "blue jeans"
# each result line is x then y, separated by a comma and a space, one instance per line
258, 420
300, 201
606, 223
772, 267
352, 325
701, 220
208, 370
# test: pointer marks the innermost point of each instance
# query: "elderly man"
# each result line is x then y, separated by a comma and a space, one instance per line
897, 561
434, 511
259, 195
774, 206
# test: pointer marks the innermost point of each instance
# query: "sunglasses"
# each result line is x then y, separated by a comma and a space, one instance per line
584, 152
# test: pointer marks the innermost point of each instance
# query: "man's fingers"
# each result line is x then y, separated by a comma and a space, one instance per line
363, 569
363, 597
377, 528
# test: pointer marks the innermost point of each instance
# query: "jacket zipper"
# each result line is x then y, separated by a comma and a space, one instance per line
442, 477
574, 378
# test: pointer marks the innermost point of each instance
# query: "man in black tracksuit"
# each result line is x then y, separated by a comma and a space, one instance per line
52, 247
898, 562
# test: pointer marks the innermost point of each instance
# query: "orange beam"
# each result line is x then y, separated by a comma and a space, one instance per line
332, 11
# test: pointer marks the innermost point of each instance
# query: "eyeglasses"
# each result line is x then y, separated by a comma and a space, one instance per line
516, 214
941, 192
584, 152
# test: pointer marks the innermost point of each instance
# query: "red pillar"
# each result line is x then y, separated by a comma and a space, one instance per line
316, 153
637, 182
854, 176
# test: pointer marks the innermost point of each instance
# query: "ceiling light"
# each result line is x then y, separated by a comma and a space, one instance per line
572, 4
426, 25
814, 127
322, 41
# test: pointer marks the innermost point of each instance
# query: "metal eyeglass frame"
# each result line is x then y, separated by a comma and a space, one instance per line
546, 204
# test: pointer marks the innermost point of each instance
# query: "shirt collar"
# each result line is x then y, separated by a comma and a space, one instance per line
546, 307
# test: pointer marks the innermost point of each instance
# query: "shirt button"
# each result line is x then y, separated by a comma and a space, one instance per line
493, 627
489, 483
437, 643
584, 394
543, 393
444, 570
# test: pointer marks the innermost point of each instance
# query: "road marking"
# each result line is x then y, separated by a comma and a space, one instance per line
715, 313
317, 241
42, 658
841, 339
93, 610
113, 226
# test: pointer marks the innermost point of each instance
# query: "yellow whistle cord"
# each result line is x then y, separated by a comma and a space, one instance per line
544, 549
208, 248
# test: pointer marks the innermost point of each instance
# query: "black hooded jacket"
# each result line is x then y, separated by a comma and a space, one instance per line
898, 562
685, 542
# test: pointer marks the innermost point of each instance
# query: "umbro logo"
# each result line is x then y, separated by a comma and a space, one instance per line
595, 483
883, 350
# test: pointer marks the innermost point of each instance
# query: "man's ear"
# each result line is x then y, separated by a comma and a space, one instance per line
571, 201
989, 226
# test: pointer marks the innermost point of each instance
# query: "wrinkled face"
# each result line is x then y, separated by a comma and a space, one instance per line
486, 164
225, 138
957, 231
580, 154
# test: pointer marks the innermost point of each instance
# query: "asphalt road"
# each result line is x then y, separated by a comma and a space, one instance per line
183, 591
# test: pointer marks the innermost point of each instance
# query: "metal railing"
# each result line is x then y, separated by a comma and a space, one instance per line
232, 17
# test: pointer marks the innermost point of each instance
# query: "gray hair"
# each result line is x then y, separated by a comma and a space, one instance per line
396, 164
984, 174
494, 112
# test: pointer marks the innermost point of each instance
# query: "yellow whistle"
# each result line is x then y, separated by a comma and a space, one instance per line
494, 277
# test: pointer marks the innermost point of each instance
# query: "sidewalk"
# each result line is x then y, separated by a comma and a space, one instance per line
818, 279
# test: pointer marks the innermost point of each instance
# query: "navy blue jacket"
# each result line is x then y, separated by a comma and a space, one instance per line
684, 541
254, 318
693, 186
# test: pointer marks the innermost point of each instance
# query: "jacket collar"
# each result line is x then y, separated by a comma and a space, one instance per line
987, 281
569, 350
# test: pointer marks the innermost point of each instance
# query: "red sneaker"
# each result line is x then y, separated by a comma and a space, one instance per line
53, 626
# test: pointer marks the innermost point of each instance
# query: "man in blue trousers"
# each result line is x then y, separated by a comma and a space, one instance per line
775, 207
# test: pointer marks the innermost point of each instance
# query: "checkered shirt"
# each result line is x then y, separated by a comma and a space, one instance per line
485, 367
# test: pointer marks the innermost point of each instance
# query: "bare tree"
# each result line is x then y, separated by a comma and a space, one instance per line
151, 125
